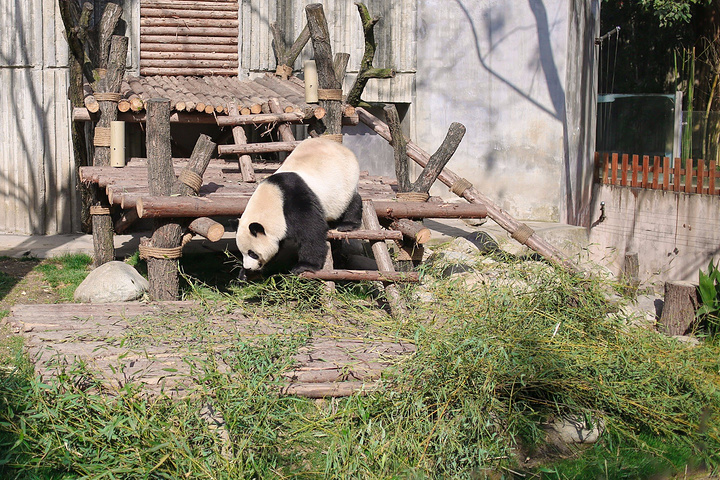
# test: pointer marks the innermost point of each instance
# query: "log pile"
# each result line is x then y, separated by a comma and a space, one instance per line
212, 95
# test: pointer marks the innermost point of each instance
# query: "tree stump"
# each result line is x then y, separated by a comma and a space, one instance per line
678, 314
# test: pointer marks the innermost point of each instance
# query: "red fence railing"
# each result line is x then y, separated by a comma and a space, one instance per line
658, 173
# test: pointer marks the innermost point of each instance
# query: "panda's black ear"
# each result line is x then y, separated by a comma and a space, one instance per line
256, 228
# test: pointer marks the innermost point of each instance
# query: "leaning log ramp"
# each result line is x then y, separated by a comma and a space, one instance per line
167, 348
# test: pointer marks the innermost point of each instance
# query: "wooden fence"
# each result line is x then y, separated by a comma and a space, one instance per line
658, 173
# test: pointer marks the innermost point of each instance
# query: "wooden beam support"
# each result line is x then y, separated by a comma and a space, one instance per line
268, 147
469, 193
363, 276
159, 207
383, 259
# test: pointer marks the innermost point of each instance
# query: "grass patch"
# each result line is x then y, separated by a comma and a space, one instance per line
499, 351
65, 273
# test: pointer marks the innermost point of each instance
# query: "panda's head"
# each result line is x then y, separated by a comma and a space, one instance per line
256, 247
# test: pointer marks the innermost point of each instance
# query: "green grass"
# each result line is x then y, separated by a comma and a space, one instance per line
493, 362
65, 273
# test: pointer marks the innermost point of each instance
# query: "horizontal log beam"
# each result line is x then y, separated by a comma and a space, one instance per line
160, 207
184, 72
184, 5
185, 55
373, 235
362, 275
82, 115
187, 39
169, 12
191, 31
248, 148
186, 63
187, 48
234, 120
183, 22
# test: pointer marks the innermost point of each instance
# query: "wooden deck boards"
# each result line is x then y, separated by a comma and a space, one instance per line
124, 186
166, 346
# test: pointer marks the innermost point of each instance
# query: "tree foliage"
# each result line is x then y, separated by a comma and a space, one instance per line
672, 12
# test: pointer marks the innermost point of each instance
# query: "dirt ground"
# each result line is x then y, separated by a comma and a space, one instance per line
28, 286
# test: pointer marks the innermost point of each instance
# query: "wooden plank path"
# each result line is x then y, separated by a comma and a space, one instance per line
167, 346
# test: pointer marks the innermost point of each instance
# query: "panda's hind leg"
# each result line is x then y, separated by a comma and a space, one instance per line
351, 219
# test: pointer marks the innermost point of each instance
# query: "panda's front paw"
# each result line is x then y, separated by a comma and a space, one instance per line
300, 268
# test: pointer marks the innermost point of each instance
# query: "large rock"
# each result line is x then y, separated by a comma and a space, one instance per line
111, 282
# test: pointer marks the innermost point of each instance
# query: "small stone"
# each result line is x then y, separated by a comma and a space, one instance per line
575, 429
111, 282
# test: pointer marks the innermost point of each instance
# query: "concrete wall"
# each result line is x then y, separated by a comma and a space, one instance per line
674, 234
519, 75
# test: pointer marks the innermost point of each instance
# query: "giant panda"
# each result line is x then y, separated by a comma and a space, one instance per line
316, 185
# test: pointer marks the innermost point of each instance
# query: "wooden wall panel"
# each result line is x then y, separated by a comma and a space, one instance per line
189, 37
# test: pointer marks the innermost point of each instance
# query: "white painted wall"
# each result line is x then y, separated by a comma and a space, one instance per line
502, 68
674, 234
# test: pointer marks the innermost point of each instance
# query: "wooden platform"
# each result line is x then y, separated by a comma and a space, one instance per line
222, 179
167, 346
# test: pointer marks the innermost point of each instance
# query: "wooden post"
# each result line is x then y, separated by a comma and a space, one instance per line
383, 259
366, 69
631, 274
399, 144
107, 87
162, 262
678, 314
244, 161
330, 91
163, 250
285, 57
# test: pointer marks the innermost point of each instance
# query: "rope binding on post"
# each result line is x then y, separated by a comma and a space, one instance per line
163, 253
335, 137
102, 137
413, 196
191, 179
459, 187
330, 94
283, 71
99, 210
108, 96
522, 233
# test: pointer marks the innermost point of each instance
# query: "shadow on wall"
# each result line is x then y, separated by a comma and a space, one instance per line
24, 146
577, 181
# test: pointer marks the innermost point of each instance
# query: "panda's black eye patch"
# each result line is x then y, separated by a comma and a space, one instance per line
253, 255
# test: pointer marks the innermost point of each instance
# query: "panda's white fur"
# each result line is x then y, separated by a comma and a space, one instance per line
282, 208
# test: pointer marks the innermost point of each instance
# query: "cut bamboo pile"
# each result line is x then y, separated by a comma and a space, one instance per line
658, 173
189, 38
